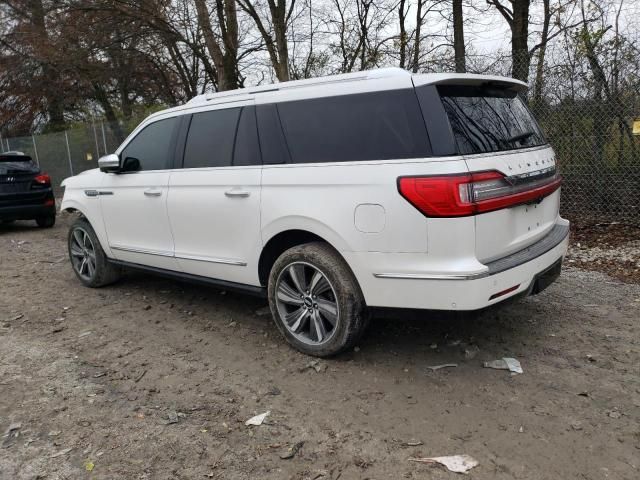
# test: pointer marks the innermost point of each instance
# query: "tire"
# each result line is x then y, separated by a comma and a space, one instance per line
324, 324
83, 246
46, 222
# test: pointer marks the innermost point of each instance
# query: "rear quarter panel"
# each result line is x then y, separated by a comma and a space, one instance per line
324, 199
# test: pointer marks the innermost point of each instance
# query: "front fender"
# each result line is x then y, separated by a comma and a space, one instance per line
89, 208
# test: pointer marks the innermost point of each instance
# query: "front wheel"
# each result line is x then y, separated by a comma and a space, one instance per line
89, 262
316, 301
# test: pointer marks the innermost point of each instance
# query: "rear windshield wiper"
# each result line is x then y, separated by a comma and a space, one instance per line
521, 136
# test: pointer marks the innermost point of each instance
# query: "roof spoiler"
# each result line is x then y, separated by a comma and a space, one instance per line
469, 79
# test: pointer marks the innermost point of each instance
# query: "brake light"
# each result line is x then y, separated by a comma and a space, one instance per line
474, 193
42, 179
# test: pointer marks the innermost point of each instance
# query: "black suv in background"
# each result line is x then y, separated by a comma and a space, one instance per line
25, 192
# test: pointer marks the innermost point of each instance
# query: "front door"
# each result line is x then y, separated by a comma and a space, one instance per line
134, 203
214, 201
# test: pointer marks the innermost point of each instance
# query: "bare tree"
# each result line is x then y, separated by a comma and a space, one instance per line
273, 29
517, 16
224, 52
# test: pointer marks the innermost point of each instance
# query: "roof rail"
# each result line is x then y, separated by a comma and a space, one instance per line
343, 77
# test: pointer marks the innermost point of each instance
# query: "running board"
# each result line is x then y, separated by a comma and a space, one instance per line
187, 277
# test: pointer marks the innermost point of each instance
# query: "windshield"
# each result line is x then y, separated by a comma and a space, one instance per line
485, 119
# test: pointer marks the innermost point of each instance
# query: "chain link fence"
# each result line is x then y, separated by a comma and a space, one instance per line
598, 154
67, 153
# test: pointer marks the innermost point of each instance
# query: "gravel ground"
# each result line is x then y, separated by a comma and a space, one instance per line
612, 248
154, 379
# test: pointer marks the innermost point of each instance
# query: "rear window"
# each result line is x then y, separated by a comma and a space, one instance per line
14, 163
487, 119
14, 157
369, 126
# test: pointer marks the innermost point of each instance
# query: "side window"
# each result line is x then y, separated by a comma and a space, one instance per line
272, 143
247, 150
210, 138
152, 147
369, 126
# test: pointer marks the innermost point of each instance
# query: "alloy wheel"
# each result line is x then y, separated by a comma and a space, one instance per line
307, 303
83, 254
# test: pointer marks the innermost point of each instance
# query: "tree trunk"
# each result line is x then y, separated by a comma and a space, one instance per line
403, 33
519, 40
518, 19
458, 37
275, 43
416, 40
226, 61
539, 80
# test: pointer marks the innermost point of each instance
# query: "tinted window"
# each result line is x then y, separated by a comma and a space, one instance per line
272, 144
210, 138
16, 164
489, 119
369, 126
247, 151
153, 145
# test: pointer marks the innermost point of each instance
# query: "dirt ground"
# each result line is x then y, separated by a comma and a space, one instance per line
154, 379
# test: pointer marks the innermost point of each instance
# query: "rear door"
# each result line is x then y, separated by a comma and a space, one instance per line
214, 200
496, 133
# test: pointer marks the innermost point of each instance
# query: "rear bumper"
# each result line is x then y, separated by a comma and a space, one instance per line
20, 210
525, 272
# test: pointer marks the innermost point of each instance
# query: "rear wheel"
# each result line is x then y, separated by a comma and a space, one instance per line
46, 222
88, 260
315, 300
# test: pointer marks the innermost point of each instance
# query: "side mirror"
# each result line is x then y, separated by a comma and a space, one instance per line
109, 163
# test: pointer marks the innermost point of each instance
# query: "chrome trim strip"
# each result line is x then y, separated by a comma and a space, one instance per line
224, 261
182, 256
432, 276
508, 152
159, 253
95, 193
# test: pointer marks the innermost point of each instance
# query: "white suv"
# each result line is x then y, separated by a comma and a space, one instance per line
330, 196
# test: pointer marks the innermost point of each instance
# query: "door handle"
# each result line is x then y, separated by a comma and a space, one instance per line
153, 193
237, 193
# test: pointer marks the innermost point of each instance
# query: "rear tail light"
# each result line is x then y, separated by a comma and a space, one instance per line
42, 179
474, 193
